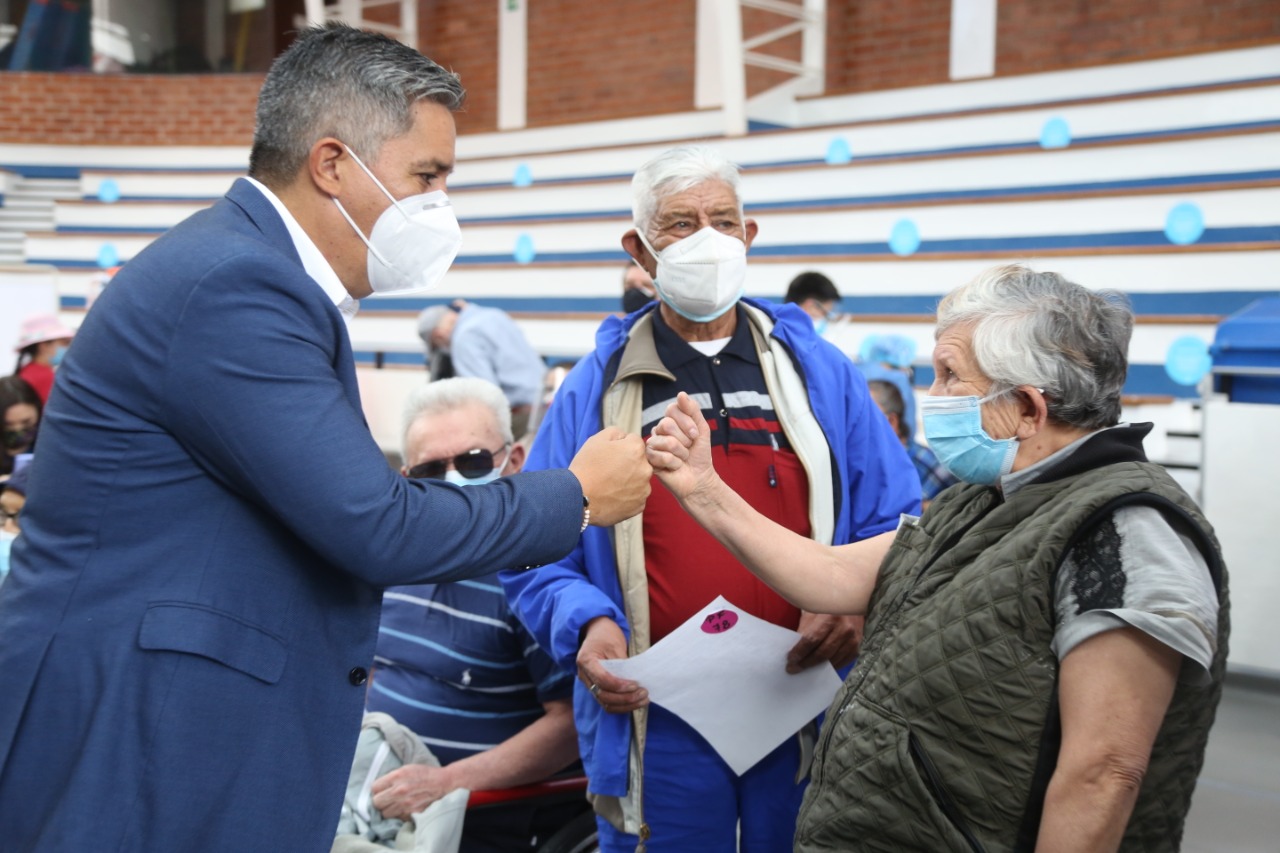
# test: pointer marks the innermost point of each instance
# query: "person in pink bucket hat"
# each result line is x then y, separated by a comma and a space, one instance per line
42, 343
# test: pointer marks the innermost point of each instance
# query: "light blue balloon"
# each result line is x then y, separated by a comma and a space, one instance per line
1056, 133
1188, 360
838, 152
868, 348
109, 191
1184, 224
905, 238
524, 249
108, 256
523, 176
896, 350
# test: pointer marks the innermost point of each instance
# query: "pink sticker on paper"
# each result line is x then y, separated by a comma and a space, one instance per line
719, 622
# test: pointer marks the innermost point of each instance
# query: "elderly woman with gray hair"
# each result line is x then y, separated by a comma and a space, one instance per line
1045, 645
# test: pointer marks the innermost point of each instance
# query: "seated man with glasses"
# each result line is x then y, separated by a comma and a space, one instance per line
453, 663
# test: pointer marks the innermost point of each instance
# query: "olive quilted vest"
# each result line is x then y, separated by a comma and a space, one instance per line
944, 734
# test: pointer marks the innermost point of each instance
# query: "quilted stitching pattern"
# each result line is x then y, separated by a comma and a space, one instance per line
958, 659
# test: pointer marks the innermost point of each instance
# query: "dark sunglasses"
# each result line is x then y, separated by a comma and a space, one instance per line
473, 465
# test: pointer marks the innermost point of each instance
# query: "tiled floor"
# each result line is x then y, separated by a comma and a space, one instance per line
1236, 808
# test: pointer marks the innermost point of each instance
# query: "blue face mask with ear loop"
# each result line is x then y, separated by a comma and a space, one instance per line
953, 428
6, 543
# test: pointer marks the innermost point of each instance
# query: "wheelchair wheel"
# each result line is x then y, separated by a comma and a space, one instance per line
577, 836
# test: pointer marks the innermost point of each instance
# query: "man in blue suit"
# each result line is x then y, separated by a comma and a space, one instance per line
195, 595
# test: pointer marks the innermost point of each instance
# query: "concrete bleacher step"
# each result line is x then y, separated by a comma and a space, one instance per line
1239, 218
1148, 118
1143, 117
969, 173
28, 208
1228, 161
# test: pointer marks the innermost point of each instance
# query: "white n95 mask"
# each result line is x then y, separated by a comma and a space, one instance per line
413, 242
701, 276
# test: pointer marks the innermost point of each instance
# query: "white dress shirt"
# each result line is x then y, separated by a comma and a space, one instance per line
312, 260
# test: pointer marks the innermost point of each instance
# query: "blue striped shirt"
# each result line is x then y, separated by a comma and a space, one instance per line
455, 665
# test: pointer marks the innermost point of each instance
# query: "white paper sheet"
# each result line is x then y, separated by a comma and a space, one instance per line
724, 672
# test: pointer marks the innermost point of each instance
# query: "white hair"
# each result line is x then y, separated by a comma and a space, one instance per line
1038, 329
445, 395
674, 171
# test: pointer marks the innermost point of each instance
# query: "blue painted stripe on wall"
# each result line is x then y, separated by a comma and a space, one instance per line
984, 194
1216, 302
30, 170
165, 199
1142, 380
987, 148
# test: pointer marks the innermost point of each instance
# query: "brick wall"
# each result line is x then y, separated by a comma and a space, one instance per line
874, 46
592, 60
127, 109
462, 35
1047, 35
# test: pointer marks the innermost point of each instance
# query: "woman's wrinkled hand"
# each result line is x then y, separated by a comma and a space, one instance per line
679, 449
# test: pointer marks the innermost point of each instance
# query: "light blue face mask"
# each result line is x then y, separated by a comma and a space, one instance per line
58, 355
452, 476
953, 427
6, 542
820, 326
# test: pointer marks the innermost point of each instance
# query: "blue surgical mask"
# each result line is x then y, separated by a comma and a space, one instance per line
820, 326
58, 355
6, 542
953, 427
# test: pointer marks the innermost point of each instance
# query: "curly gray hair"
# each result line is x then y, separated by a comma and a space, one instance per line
1037, 328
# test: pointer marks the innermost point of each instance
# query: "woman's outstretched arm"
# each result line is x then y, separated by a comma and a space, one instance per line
812, 576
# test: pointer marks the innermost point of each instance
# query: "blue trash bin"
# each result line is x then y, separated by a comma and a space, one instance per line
1246, 354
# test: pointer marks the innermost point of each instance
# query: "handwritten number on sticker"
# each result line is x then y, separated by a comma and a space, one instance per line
719, 622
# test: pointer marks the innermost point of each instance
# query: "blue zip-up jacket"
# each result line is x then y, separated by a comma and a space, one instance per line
876, 484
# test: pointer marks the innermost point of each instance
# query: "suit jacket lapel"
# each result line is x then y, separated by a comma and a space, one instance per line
264, 217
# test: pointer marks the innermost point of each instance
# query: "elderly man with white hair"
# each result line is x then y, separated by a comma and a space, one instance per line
453, 662
795, 431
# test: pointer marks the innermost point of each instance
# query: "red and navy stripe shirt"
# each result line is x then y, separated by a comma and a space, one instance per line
686, 567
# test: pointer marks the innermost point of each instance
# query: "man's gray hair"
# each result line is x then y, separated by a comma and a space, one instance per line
334, 80
889, 399
674, 171
445, 395
1037, 328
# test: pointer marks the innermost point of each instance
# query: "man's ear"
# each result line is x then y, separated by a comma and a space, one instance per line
751, 229
1033, 411
636, 249
516, 461
325, 164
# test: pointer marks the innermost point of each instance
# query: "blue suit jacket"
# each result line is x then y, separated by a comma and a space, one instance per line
209, 526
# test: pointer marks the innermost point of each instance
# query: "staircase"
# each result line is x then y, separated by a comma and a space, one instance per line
28, 206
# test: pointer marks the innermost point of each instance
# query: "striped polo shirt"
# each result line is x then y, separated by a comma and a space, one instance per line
455, 665
686, 567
